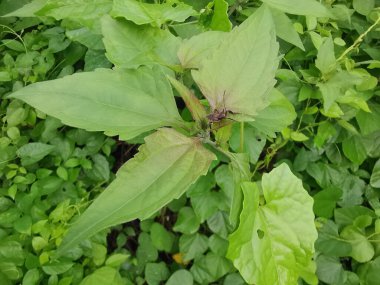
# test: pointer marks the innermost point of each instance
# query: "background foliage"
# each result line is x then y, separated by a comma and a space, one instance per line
329, 73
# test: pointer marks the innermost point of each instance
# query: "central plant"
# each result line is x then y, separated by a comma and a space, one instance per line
273, 241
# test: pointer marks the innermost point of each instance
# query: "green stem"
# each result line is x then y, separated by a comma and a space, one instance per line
357, 41
242, 137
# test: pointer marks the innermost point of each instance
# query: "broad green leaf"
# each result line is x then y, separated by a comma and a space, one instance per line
375, 176
209, 268
161, 238
182, 277
285, 29
336, 86
354, 149
28, 10
220, 20
194, 51
31, 277
33, 152
125, 103
274, 243
238, 82
128, 45
362, 249
192, 246
105, 275
187, 222
240, 169
57, 267
156, 14
329, 241
300, 7
86, 37
363, 7
326, 61
330, 270
155, 273
163, 170
276, 116
369, 272
325, 201
369, 122
86, 12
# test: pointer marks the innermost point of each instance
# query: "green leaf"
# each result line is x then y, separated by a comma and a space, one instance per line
330, 243
325, 202
163, 170
33, 152
326, 61
368, 122
375, 176
354, 149
130, 46
336, 87
194, 51
182, 277
277, 116
369, 272
31, 277
192, 246
220, 20
28, 10
161, 238
187, 222
300, 7
210, 268
274, 243
363, 7
285, 29
330, 270
126, 103
156, 272
239, 81
85, 11
362, 249
105, 276
57, 267
156, 14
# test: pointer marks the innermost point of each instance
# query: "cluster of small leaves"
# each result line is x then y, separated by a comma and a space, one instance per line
48, 172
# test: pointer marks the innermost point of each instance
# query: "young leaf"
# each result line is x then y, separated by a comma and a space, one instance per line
241, 71
155, 14
125, 103
274, 243
130, 46
194, 51
326, 61
277, 116
300, 7
162, 171
285, 29
197, 110
220, 20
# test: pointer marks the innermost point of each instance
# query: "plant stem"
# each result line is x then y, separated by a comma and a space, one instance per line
242, 137
357, 41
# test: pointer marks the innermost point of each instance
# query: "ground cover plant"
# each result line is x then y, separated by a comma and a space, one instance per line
245, 135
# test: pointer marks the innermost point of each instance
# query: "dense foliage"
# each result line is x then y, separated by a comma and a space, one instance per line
218, 198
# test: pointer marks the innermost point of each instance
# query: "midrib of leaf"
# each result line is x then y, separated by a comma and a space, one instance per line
115, 106
262, 215
163, 170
